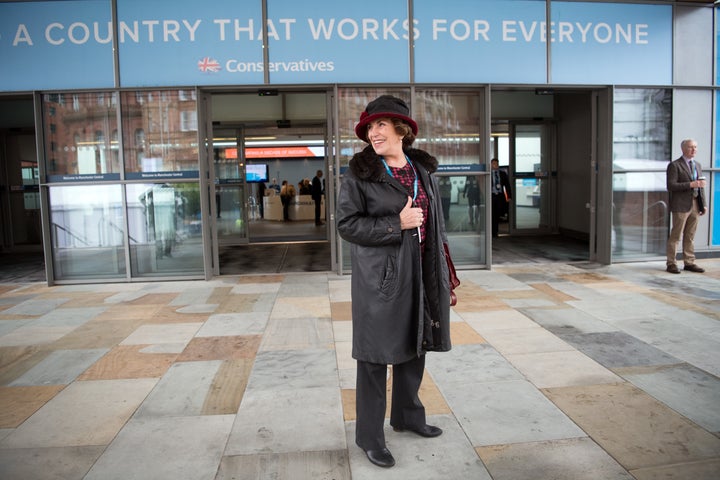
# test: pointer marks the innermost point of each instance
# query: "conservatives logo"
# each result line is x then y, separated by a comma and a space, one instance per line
208, 64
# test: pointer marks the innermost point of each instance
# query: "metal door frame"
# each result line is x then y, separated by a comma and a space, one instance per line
549, 149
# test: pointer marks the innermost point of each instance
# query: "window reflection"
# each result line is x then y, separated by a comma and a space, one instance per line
159, 132
86, 226
448, 124
164, 224
641, 151
465, 213
351, 103
79, 140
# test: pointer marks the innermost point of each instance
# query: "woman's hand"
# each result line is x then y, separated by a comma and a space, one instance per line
410, 217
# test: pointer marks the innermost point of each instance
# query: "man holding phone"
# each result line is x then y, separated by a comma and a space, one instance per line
685, 183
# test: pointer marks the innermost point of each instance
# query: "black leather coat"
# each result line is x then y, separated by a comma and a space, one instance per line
400, 299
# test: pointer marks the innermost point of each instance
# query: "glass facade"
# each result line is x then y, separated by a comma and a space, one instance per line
97, 208
159, 131
449, 125
641, 151
351, 103
87, 231
165, 229
81, 136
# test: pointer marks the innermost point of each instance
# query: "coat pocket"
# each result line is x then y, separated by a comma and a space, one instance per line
389, 278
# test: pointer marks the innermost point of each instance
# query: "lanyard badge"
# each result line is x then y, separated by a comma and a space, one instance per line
415, 186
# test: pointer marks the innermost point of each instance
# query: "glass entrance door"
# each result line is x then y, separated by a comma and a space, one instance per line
532, 170
230, 209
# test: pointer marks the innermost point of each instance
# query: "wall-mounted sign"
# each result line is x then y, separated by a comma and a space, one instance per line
171, 43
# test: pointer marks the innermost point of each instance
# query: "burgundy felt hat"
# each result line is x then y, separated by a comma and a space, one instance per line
385, 106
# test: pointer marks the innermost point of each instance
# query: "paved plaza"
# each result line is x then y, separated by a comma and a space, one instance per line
558, 371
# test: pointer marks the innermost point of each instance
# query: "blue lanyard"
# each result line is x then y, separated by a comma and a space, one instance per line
415, 183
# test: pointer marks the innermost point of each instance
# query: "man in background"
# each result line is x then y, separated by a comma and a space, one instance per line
501, 194
317, 191
685, 184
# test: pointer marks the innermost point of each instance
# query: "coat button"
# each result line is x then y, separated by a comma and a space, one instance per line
390, 229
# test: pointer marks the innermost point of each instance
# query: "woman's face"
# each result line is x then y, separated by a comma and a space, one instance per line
383, 137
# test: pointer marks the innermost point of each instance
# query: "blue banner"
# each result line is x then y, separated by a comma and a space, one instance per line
56, 45
611, 43
493, 41
171, 43
328, 41
176, 43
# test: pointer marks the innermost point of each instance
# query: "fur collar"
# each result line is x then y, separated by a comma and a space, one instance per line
366, 165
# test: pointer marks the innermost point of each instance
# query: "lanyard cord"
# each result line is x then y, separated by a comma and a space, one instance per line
415, 183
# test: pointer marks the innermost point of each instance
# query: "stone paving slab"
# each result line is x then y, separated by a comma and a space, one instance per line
558, 371
686, 389
165, 448
569, 459
633, 427
82, 414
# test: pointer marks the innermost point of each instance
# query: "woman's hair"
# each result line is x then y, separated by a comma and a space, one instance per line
402, 128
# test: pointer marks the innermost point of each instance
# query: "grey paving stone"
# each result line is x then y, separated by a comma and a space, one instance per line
325, 465
68, 317
612, 307
469, 364
7, 326
449, 456
60, 367
35, 307
290, 419
181, 391
494, 281
66, 463
684, 388
191, 296
571, 459
525, 340
496, 413
561, 368
289, 369
172, 448
84, 413
567, 320
618, 349
297, 333
233, 324
669, 335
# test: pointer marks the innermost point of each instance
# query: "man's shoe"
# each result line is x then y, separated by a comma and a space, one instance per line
694, 268
428, 431
381, 457
673, 269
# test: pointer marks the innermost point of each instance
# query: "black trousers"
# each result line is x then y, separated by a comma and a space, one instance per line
406, 411
498, 204
318, 203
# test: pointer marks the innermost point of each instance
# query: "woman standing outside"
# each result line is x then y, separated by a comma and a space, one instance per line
389, 209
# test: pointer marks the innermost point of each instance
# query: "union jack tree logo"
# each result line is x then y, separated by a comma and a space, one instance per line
208, 64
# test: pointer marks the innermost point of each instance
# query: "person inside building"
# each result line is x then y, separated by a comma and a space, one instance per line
685, 183
501, 194
446, 196
274, 186
317, 192
471, 191
261, 198
389, 211
287, 194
